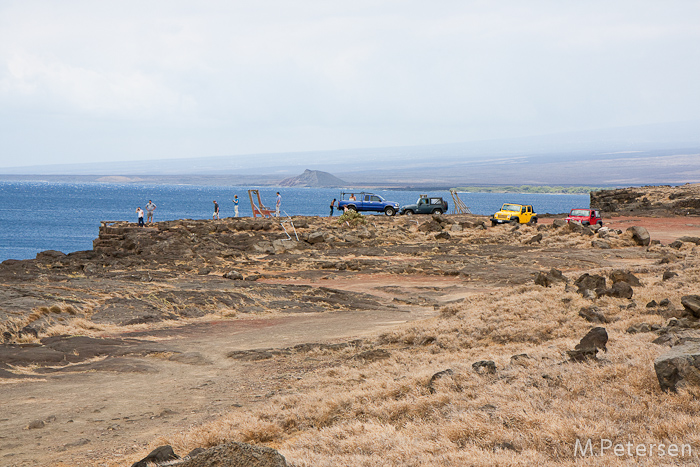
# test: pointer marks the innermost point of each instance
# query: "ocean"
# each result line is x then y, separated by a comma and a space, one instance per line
38, 216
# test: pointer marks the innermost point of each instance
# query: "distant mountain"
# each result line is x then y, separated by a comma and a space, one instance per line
314, 179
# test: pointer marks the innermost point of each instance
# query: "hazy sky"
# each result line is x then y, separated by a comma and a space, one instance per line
149, 79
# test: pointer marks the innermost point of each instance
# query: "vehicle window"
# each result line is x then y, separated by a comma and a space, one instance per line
580, 212
511, 207
366, 197
435, 201
374, 198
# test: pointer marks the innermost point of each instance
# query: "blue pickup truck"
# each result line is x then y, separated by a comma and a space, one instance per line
367, 202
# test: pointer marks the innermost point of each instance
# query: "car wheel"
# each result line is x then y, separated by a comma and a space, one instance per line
352, 208
534, 220
408, 212
514, 221
494, 223
586, 223
389, 211
437, 211
600, 223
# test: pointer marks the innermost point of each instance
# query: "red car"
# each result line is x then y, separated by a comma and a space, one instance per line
585, 216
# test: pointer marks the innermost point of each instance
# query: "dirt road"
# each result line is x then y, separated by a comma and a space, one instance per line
79, 417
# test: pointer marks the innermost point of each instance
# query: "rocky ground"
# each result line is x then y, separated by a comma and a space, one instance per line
662, 200
163, 328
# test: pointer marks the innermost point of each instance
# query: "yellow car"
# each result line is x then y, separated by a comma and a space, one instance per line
514, 214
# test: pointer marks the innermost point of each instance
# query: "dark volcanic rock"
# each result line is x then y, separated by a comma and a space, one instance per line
484, 367
668, 275
590, 282
236, 455
640, 235
692, 304
619, 290
680, 366
437, 376
624, 276
554, 275
592, 314
233, 275
157, 456
596, 338
536, 239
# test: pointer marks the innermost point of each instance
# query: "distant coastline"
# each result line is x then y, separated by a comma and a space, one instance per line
272, 181
539, 189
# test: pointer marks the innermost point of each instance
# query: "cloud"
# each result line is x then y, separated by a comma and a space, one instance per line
270, 75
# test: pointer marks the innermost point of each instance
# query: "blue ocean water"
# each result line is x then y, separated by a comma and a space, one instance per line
38, 216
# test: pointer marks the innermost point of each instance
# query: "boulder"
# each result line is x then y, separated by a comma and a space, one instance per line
695, 240
592, 314
157, 456
557, 276
547, 279
692, 304
430, 226
579, 228
619, 275
484, 367
668, 275
233, 275
589, 282
619, 290
436, 377
679, 367
600, 244
596, 338
542, 279
443, 236
236, 455
640, 235
558, 223
316, 237
535, 239
642, 327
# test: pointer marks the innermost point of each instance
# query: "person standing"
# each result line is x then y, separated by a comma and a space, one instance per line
150, 207
216, 211
139, 213
279, 203
235, 205
332, 205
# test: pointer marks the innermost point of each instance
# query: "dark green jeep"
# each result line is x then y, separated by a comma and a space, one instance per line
425, 205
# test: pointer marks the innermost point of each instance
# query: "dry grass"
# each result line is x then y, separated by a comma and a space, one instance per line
531, 412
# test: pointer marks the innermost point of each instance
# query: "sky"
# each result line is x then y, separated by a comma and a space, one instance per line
95, 81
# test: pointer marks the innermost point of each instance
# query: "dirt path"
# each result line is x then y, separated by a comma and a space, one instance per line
87, 416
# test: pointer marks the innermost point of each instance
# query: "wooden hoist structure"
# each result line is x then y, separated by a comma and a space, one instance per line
259, 209
458, 206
